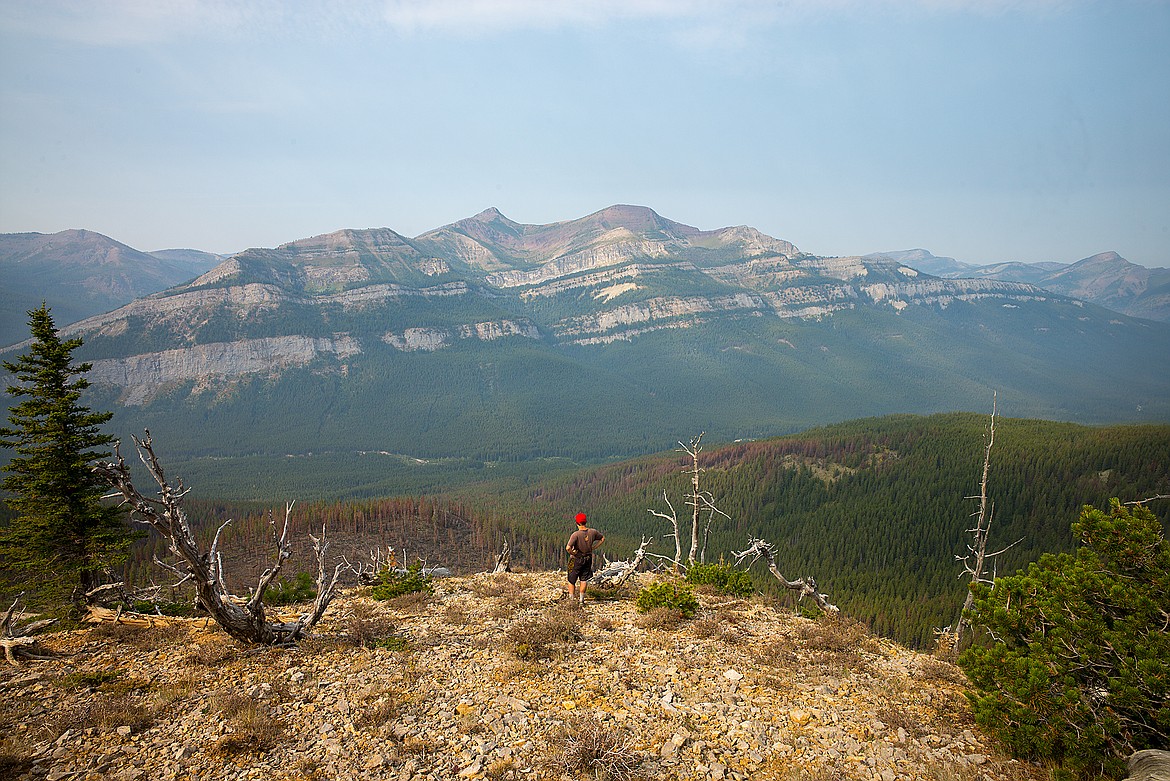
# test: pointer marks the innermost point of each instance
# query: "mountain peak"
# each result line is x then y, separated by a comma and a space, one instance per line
490, 214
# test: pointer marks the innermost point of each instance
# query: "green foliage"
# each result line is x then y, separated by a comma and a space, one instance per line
668, 595
723, 578
290, 592
1077, 667
394, 583
62, 535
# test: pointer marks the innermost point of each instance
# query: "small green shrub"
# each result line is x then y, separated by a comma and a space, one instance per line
290, 592
723, 578
669, 595
395, 583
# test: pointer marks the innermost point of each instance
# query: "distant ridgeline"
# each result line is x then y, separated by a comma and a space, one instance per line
876, 510
345, 356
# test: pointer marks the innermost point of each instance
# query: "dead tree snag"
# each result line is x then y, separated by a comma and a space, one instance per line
246, 622
976, 558
17, 641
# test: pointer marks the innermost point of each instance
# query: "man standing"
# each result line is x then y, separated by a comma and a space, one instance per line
581, 546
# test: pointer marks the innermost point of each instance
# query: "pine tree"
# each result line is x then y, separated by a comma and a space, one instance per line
62, 535
1077, 669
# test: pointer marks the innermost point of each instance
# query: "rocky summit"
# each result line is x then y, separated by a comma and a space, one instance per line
496, 677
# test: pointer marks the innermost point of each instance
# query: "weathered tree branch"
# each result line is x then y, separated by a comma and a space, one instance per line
673, 518
17, 641
618, 572
807, 587
1149, 499
165, 514
695, 497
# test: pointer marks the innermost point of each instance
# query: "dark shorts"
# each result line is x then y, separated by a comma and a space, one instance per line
580, 568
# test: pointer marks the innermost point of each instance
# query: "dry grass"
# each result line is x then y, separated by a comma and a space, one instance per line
411, 602
662, 619
252, 729
938, 671
215, 653
546, 636
585, 746
718, 625
836, 643
143, 638
367, 627
456, 614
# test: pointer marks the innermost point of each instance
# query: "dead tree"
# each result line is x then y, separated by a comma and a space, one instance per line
693, 498
700, 501
618, 572
246, 622
367, 571
976, 559
504, 560
673, 518
17, 641
807, 587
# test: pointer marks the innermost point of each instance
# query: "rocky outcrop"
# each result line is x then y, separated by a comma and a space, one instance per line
618, 246
429, 339
141, 377
653, 311
492, 677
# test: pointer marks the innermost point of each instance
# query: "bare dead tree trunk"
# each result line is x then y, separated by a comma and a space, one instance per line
807, 587
165, 514
695, 498
975, 561
17, 641
367, 572
673, 518
503, 560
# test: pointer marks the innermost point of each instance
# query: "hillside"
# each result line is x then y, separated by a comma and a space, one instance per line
79, 273
494, 673
875, 510
490, 341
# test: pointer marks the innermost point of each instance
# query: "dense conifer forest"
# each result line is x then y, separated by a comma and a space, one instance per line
876, 510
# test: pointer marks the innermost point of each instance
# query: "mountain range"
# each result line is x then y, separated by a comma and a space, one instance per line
600, 337
1105, 278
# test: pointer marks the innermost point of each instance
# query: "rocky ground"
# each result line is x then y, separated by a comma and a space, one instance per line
496, 677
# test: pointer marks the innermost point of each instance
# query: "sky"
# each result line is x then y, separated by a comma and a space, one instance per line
984, 130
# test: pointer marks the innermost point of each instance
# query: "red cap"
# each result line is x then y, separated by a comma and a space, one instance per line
581, 518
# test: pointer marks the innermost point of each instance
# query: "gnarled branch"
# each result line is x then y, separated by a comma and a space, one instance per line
165, 514
807, 587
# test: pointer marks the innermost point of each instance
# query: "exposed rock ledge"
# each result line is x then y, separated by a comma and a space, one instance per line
430, 339
143, 376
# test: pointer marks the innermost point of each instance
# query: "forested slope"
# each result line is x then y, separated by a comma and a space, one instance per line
875, 509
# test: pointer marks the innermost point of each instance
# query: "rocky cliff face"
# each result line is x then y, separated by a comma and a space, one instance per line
590, 338
613, 276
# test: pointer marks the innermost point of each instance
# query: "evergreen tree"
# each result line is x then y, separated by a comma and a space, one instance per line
62, 535
1077, 670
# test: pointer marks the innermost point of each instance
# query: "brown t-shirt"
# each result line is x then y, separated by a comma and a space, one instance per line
583, 541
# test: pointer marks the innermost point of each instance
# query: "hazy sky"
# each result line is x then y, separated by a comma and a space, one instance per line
986, 130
